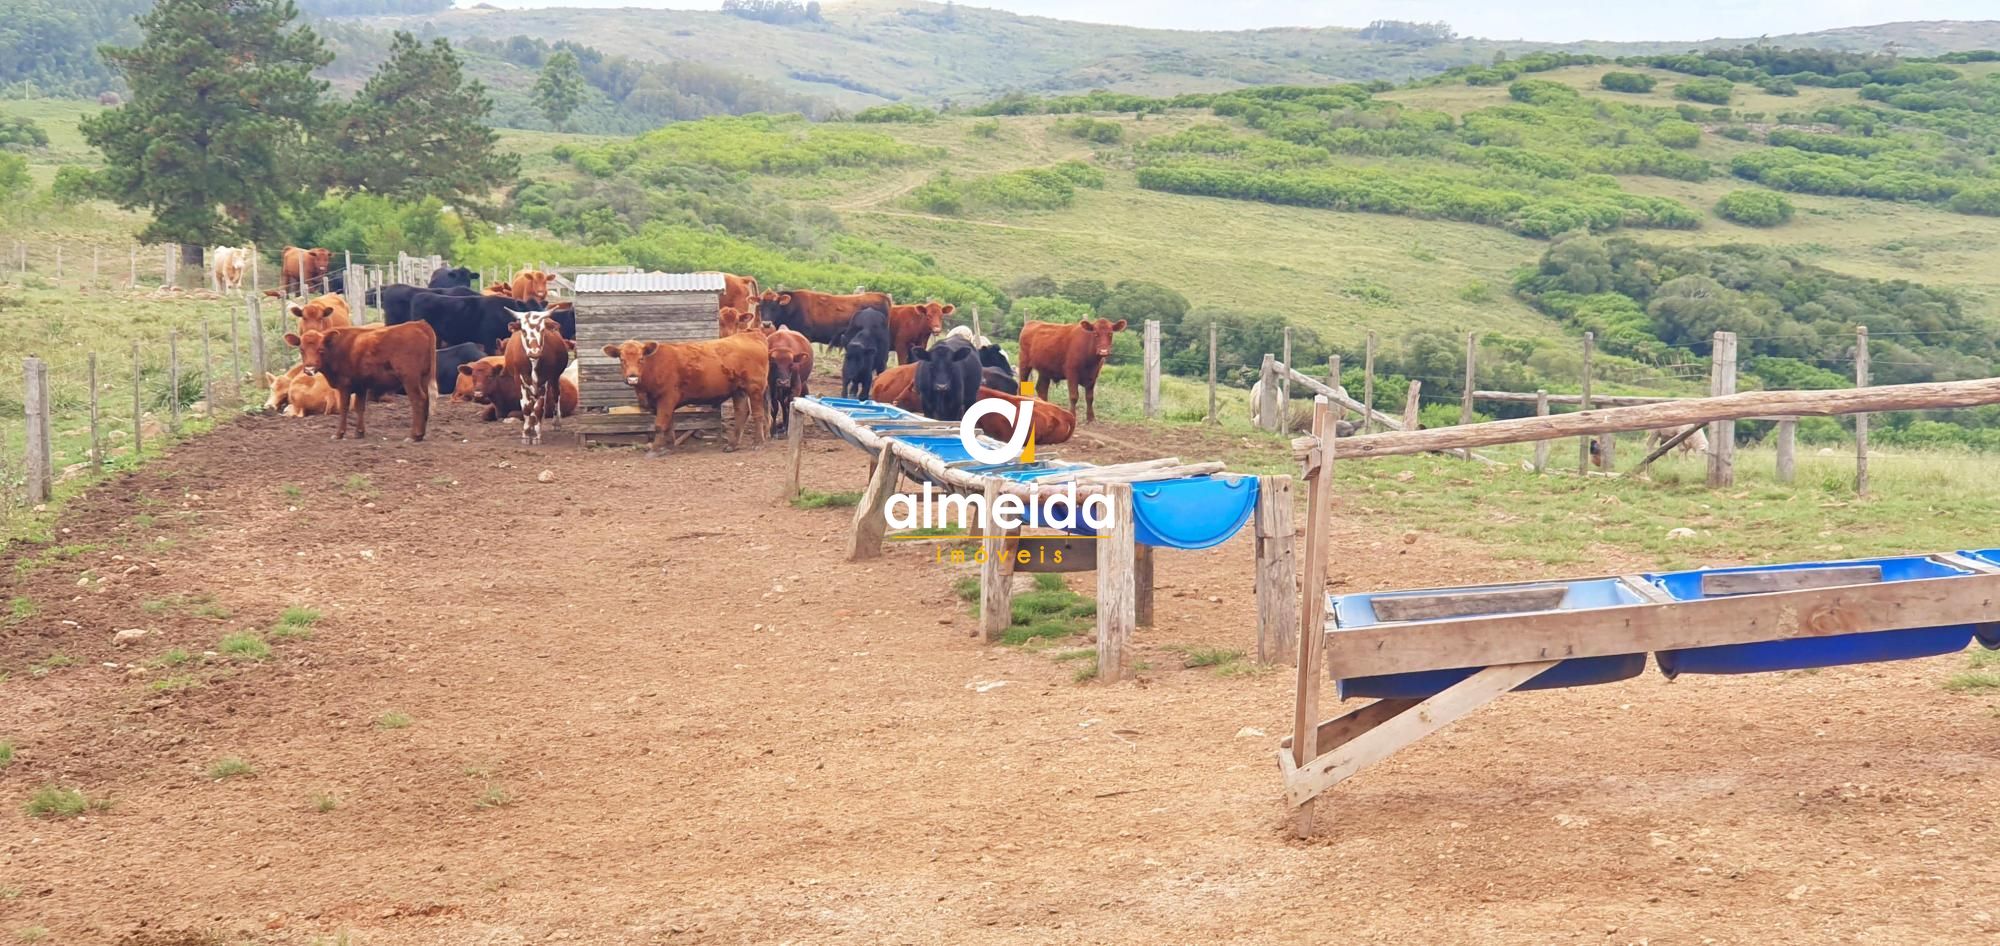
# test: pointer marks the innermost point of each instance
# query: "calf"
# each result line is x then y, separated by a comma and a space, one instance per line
449, 359
532, 286
483, 320
911, 327
448, 277
947, 378
734, 369
897, 386
1065, 352
791, 369
297, 394
867, 352
1052, 424
486, 382
501, 288
822, 316
326, 312
376, 359
536, 354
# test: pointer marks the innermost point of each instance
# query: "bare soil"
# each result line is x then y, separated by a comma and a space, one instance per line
649, 702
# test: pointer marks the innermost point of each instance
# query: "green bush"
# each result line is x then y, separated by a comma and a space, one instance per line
1754, 208
1042, 309
376, 226
1096, 131
771, 144
1734, 132
19, 132
1541, 92
988, 128
13, 174
1710, 91
1050, 188
1984, 201
1627, 82
73, 185
897, 113
1675, 133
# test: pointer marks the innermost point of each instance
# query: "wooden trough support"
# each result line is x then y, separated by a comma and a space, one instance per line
1513, 647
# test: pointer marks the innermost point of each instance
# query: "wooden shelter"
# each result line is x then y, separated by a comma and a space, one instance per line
617, 307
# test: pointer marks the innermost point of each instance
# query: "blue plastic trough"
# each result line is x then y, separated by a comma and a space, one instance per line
1806, 652
1358, 610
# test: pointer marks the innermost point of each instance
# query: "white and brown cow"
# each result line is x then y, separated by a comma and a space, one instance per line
227, 263
536, 354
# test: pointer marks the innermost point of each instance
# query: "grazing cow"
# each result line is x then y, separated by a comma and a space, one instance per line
532, 286
448, 277
734, 369
867, 352
1066, 352
327, 311
729, 320
483, 320
536, 355
449, 359
305, 270
1696, 442
897, 386
791, 369
947, 378
821, 316
228, 264
911, 327
739, 292
1053, 425
375, 359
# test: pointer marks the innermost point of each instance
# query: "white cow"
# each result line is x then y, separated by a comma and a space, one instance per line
965, 332
227, 263
1696, 442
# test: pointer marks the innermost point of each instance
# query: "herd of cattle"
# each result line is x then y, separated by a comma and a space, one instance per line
507, 347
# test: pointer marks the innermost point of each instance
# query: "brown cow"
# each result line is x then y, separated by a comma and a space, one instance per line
487, 382
819, 316
911, 327
897, 386
375, 359
739, 292
305, 270
1053, 425
734, 369
326, 312
729, 320
531, 285
297, 394
536, 354
1067, 352
791, 369
498, 289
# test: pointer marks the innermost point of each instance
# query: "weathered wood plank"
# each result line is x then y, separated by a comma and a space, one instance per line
1454, 604
1312, 604
1625, 629
1723, 584
1276, 580
996, 586
1116, 585
864, 540
1342, 729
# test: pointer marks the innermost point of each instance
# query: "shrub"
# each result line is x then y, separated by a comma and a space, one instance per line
1734, 132
1677, 134
375, 225
1984, 201
1541, 92
1710, 91
898, 113
1093, 130
989, 128
1627, 82
73, 185
13, 174
20, 132
1754, 208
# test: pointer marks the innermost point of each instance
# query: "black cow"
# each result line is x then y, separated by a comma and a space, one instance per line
394, 300
948, 376
867, 352
995, 372
482, 320
447, 277
565, 315
449, 358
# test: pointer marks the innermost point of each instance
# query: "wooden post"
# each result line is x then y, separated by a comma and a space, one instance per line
1541, 446
357, 294
235, 359
1788, 437
1368, 386
996, 580
1116, 584
1142, 585
138, 407
174, 379
1152, 353
864, 541
1286, 379
1722, 433
39, 471
1333, 381
1661, 450
1583, 445
975, 323
1607, 445
96, 444
207, 376
256, 288
1412, 404
257, 362
1277, 572
170, 269
1212, 419
1465, 399
1272, 416
795, 444
1312, 604
1860, 420
133, 259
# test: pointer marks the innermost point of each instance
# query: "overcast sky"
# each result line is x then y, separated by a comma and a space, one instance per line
1541, 20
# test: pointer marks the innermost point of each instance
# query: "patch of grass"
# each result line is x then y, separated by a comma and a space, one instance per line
814, 499
292, 491
51, 801
248, 645
1242, 668
212, 611
325, 802
32, 934
443, 481
926, 532
295, 623
175, 683
6, 753
493, 796
22, 607
1209, 656
392, 720
1086, 672
359, 486
229, 767
1047, 581
1020, 634
173, 657
145, 520
967, 589
10, 893
1973, 680
1080, 653
51, 663
1982, 659
154, 606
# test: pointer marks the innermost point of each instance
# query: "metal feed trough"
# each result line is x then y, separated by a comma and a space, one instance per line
618, 307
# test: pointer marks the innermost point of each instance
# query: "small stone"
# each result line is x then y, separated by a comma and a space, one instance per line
129, 635
1409, 538
1249, 732
1704, 871
1682, 532
1929, 833
1798, 892
546, 476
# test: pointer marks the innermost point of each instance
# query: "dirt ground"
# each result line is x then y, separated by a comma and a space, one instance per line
692, 722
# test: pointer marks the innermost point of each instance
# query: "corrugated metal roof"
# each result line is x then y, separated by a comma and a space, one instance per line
648, 282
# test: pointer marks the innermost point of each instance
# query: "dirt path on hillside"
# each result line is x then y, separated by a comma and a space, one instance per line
694, 723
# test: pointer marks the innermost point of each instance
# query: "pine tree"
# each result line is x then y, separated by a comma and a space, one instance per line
222, 101
560, 89
418, 129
